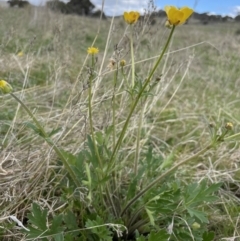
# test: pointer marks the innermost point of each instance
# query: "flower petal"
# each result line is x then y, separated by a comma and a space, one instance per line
131, 17
167, 8
187, 13
175, 16
126, 16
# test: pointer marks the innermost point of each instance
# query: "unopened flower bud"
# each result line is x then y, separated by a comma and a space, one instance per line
196, 226
20, 54
229, 126
122, 62
5, 87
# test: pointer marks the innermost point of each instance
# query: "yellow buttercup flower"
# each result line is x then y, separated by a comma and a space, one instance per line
92, 50
20, 54
178, 16
5, 87
131, 17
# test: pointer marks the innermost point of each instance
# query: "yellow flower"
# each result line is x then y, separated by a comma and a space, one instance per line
5, 87
131, 17
20, 54
92, 50
178, 16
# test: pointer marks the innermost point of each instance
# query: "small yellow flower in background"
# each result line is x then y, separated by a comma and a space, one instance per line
20, 54
229, 126
92, 50
5, 87
131, 17
122, 62
178, 16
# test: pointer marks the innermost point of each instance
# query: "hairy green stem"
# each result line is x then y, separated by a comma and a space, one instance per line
138, 143
154, 182
234, 136
138, 225
90, 114
138, 98
114, 107
93, 135
49, 141
132, 57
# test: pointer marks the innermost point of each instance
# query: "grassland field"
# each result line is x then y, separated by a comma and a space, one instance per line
197, 85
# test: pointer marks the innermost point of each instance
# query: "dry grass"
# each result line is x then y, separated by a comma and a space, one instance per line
199, 85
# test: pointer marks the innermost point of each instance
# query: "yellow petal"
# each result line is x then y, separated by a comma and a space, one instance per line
187, 13
175, 16
125, 16
178, 17
131, 17
167, 8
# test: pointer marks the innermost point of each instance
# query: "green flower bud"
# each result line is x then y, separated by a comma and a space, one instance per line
196, 226
5, 87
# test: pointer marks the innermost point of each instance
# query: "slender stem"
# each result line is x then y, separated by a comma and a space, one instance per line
229, 138
114, 140
138, 143
114, 107
154, 182
90, 114
132, 57
49, 141
93, 135
137, 225
135, 216
39, 126
123, 74
139, 96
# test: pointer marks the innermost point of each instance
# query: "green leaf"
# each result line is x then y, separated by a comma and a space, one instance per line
69, 237
56, 228
141, 238
199, 192
99, 228
58, 237
168, 161
38, 224
132, 188
150, 215
70, 220
208, 236
93, 157
54, 131
198, 214
76, 162
37, 220
212, 188
38, 217
34, 128
99, 137
157, 236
